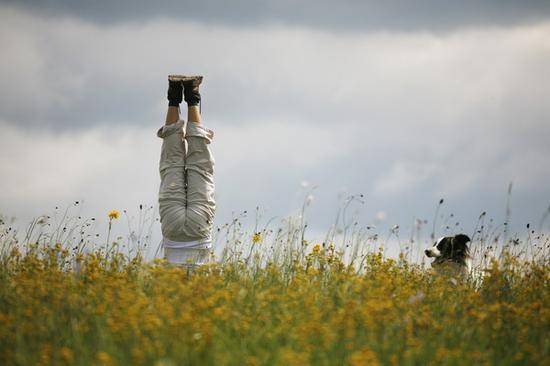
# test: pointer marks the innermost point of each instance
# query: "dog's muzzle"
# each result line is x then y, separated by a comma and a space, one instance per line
431, 253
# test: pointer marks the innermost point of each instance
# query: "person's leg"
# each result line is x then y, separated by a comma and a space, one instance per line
172, 115
172, 195
186, 205
193, 114
199, 167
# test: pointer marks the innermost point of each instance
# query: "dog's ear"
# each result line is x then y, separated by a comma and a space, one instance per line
459, 244
461, 239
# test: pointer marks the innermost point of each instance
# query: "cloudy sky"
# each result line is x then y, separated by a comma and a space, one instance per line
405, 102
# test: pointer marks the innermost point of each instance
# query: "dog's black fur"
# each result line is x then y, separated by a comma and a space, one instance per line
451, 250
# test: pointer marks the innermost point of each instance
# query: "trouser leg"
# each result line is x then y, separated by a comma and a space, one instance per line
172, 194
199, 170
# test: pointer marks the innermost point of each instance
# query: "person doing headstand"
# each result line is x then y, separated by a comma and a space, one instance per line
186, 194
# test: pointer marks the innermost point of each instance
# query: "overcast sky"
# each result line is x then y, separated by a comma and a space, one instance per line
405, 102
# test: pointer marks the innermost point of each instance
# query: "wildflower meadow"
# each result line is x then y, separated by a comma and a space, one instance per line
272, 297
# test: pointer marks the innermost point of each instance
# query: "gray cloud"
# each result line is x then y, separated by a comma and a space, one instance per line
335, 15
72, 74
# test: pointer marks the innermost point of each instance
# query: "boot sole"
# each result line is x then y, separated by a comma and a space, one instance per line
184, 78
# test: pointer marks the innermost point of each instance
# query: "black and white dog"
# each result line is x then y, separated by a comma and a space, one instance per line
451, 253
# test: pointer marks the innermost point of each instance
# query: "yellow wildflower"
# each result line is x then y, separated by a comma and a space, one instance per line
364, 356
66, 354
114, 214
256, 238
104, 358
316, 248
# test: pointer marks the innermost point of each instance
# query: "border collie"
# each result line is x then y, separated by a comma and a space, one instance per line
451, 253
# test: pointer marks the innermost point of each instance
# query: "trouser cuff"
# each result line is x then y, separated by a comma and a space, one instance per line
167, 130
198, 130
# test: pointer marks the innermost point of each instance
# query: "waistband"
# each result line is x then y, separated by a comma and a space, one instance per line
205, 243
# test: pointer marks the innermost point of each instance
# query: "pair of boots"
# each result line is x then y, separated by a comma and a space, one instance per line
184, 88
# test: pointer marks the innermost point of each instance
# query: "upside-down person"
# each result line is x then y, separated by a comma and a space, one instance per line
186, 194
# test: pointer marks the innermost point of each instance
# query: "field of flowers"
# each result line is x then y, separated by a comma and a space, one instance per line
302, 304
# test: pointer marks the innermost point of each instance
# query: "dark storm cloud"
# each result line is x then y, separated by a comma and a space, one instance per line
344, 14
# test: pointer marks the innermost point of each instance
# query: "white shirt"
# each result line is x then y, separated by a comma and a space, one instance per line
205, 243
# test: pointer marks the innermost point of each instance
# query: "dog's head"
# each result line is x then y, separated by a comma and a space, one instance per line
450, 248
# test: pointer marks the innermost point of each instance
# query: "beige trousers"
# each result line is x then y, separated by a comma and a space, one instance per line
186, 194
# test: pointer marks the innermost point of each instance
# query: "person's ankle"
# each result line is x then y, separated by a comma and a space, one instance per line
193, 114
